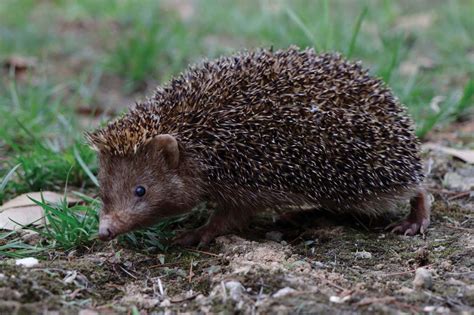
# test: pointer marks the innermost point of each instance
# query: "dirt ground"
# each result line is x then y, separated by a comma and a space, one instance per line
315, 263
312, 264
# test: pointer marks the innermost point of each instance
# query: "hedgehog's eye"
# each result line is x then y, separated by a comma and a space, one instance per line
140, 191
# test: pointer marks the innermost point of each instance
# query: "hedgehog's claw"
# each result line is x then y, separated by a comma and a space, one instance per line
407, 227
417, 221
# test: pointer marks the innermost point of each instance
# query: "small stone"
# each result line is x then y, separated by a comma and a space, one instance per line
339, 300
423, 279
235, 290
283, 292
274, 236
363, 255
318, 264
429, 308
165, 303
88, 312
27, 262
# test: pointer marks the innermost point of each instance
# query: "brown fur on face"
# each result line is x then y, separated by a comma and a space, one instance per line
159, 167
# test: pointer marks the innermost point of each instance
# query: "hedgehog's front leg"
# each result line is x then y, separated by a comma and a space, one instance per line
220, 222
419, 218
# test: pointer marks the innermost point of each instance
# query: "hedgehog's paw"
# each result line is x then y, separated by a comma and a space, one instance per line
200, 237
418, 220
409, 227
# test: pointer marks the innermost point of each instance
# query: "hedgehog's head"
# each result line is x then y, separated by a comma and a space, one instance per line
141, 186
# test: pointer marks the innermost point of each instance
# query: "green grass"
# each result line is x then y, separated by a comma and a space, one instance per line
69, 226
12, 246
100, 54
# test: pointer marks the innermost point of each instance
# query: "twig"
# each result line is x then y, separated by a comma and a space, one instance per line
459, 228
167, 264
460, 195
184, 299
201, 252
332, 284
191, 274
459, 273
178, 263
127, 272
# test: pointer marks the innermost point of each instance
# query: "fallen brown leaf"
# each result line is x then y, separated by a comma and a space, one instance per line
18, 64
465, 155
24, 211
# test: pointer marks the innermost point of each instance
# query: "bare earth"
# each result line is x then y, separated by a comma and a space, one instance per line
311, 264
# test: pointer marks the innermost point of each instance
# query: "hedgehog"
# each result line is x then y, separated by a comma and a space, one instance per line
261, 130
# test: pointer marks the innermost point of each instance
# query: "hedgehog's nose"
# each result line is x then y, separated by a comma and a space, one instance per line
105, 233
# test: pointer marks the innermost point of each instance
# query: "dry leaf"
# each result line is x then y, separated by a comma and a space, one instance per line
465, 155
19, 63
24, 211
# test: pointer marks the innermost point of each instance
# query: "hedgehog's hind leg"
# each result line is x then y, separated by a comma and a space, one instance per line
418, 219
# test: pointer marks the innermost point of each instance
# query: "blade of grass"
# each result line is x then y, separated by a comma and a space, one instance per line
18, 249
297, 20
85, 168
356, 31
387, 73
466, 100
32, 136
328, 29
8, 177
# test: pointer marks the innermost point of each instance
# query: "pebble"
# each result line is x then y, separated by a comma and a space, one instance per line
363, 255
27, 262
423, 279
235, 290
318, 264
283, 292
165, 303
339, 300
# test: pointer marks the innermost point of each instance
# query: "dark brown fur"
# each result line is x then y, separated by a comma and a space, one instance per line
258, 130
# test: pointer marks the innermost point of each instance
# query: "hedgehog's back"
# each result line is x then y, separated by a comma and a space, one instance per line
292, 122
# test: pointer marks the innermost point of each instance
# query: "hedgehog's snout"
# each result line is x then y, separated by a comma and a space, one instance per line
106, 232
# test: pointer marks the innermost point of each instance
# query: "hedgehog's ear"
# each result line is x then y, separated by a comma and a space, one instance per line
169, 148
